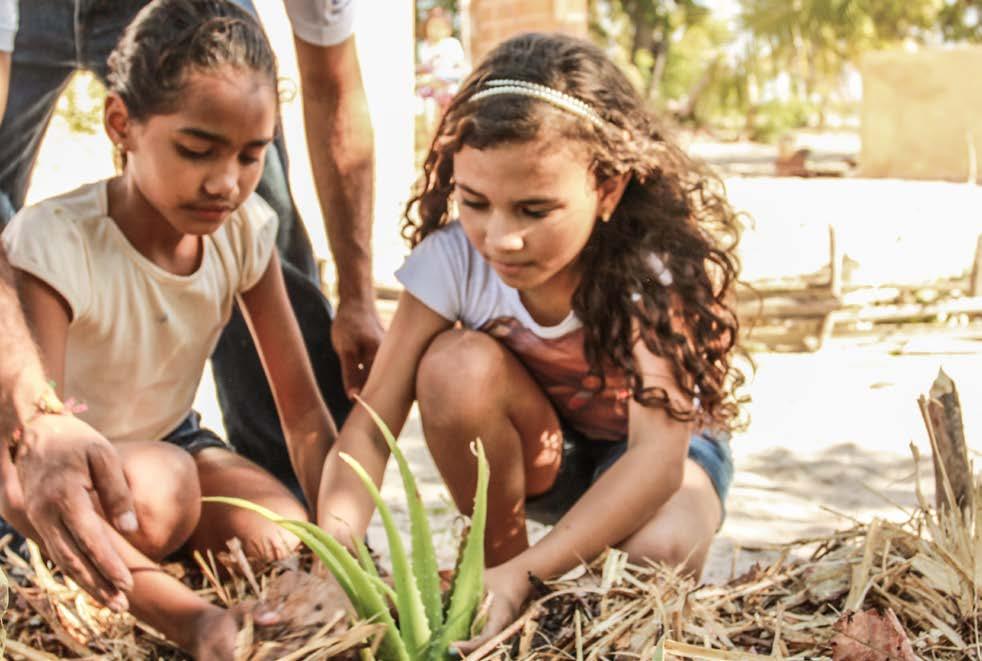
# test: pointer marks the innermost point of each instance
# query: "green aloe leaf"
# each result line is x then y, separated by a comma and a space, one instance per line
424, 556
412, 615
365, 597
468, 587
324, 552
368, 564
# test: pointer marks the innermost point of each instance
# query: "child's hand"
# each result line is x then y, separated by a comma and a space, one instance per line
216, 632
509, 588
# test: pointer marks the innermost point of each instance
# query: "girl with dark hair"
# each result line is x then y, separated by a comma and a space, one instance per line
129, 282
567, 301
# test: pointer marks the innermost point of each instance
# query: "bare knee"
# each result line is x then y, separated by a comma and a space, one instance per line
458, 373
167, 496
667, 549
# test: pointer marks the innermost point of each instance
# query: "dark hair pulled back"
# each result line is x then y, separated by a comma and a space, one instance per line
168, 38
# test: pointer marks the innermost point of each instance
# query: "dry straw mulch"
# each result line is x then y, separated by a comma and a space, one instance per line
879, 591
882, 591
51, 618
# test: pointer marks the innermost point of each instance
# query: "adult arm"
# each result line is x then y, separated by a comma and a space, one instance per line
307, 424
640, 482
59, 460
345, 506
341, 145
4, 80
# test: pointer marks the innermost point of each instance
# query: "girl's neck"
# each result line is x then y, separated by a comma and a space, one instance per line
149, 232
550, 303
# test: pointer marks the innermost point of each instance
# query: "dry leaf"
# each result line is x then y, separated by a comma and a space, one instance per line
870, 636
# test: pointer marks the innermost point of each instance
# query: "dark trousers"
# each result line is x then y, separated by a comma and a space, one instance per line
58, 37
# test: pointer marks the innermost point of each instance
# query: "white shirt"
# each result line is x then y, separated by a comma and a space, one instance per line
448, 275
8, 24
139, 336
319, 22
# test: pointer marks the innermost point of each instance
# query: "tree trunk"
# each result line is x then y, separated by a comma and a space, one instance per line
688, 111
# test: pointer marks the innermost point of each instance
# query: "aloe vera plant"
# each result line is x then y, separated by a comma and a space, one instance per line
425, 627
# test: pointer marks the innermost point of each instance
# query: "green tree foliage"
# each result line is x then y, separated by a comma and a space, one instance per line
813, 40
961, 20
705, 70
670, 48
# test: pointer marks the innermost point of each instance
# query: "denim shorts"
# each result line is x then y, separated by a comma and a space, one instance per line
194, 438
584, 460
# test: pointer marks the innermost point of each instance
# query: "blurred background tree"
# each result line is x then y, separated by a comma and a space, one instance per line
766, 66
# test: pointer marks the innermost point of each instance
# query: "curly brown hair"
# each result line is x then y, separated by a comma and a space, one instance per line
672, 207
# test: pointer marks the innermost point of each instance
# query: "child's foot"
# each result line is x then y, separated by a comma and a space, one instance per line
213, 636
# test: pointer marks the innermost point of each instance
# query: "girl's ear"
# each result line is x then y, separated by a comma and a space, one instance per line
609, 193
116, 118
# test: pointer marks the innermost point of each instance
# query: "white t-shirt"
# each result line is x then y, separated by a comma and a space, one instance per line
8, 24
322, 22
139, 336
448, 275
319, 22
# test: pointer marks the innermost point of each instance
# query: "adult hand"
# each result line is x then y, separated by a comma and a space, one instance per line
509, 588
356, 333
68, 469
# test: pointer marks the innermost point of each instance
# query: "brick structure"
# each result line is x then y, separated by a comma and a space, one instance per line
492, 21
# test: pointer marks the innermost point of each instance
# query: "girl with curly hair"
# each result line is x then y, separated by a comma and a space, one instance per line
567, 301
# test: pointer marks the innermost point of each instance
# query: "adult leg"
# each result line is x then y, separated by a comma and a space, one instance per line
469, 386
682, 530
43, 61
223, 473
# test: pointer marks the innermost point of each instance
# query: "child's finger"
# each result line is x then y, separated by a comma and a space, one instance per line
497, 621
263, 613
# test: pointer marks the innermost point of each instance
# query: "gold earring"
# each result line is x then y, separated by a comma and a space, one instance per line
119, 156
605, 217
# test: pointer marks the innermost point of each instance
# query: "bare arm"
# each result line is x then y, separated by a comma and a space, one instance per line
640, 482
4, 80
60, 460
341, 145
307, 424
22, 378
615, 506
345, 506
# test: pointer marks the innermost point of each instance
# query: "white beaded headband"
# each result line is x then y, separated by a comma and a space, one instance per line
543, 93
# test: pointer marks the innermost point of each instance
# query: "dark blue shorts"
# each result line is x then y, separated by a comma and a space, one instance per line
194, 438
584, 460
